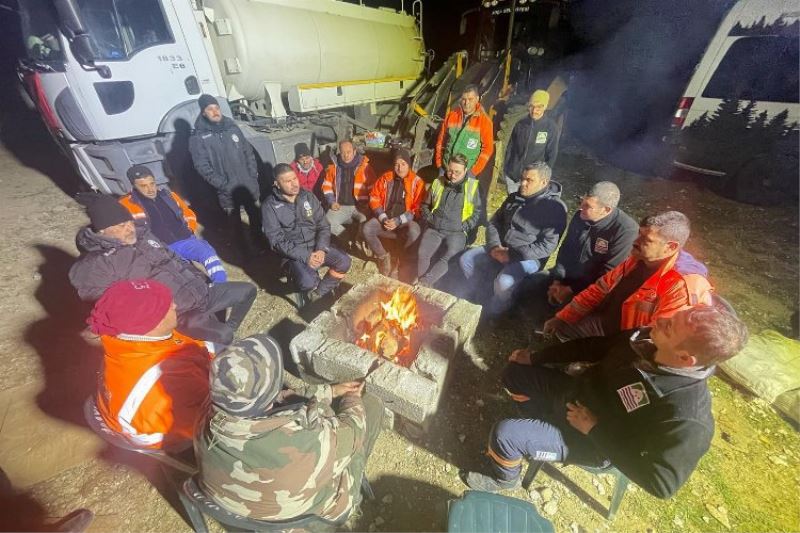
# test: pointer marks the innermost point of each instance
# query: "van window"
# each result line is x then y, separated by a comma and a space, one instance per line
758, 68
120, 28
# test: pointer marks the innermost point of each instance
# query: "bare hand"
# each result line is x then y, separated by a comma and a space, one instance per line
580, 417
552, 326
351, 387
521, 356
335, 206
390, 224
315, 260
558, 294
500, 254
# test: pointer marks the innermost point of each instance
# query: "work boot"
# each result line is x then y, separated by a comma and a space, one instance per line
309, 297
486, 483
385, 264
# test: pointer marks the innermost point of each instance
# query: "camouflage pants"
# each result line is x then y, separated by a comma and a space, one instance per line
373, 407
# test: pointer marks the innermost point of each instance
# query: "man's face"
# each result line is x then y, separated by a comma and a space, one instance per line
124, 232
531, 183
536, 109
670, 336
401, 168
146, 187
347, 152
288, 183
650, 246
168, 323
455, 172
213, 113
469, 102
305, 161
592, 210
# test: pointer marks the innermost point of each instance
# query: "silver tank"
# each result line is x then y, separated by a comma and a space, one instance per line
301, 42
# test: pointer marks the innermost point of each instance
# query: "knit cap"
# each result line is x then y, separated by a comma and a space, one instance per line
540, 97
105, 211
206, 100
132, 306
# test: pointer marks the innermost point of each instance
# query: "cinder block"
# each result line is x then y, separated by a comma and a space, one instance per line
407, 394
340, 361
305, 344
462, 317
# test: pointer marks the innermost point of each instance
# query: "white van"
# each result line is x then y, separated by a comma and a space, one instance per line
738, 118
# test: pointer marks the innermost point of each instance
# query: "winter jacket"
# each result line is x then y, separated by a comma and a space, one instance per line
310, 180
653, 423
531, 141
133, 203
293, 461
295, 230
590, 249
224, 158
475, 139
453, 207
153, 391
679, 282
529, 227
364, 179
381, 192
105, 260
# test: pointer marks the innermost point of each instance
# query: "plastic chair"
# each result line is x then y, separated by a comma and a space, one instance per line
620, 485
197, 505
480, 512
98, 425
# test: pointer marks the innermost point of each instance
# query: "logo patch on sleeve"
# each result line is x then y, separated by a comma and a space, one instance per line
601, 246
472, 144
633, 396
541, 137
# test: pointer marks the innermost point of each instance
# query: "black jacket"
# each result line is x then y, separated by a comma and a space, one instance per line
104, 261
294, 230
531, 141
529, 227
589, 250
224, 158
654, 424
447, 216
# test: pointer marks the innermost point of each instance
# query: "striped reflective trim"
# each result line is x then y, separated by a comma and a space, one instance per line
211, 347
502, 461
212, 259
214, 270
131, 406
139, 215
518, 397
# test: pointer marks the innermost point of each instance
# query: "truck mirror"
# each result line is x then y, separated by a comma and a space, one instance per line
71, 23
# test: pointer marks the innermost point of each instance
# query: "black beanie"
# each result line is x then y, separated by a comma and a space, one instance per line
402, 153
105, 211
300, 150
206, 100
138, 172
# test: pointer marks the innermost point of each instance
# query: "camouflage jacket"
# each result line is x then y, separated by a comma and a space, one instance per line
290, 463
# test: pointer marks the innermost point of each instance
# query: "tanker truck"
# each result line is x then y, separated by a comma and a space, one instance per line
116, 81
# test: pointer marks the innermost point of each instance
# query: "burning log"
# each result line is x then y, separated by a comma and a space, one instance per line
386, 330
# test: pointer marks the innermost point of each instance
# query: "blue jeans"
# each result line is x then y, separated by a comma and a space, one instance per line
194, 249
480, 267
307, 278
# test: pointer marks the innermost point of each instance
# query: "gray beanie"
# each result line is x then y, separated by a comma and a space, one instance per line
247, 376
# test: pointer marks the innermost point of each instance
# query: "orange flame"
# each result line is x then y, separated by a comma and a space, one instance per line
389, 335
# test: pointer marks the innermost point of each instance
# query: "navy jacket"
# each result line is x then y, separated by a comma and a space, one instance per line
531, 141
294, 230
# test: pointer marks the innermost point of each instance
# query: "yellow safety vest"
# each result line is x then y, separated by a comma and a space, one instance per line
470, 188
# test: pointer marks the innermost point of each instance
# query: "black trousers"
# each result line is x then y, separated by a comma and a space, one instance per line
205, 324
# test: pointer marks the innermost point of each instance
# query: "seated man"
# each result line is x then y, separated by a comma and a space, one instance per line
346, 186
170, 219
154, 380
658, 279
270, 453
598, 239
297, 230
520, 236
308, 169
643, 404
452, 209
395, 201
113, 248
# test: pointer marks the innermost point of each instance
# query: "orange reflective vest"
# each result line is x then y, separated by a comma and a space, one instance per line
363, 179
415, 192
663, 294
181, 208
152, 391
474, 139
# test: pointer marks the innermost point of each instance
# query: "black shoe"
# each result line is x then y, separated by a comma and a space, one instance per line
478, 481
309, 297
385, 264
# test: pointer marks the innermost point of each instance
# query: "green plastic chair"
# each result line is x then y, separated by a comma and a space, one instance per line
484, 512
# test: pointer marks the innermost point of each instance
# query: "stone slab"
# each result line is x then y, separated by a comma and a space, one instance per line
462, 317
404, 392
340, 361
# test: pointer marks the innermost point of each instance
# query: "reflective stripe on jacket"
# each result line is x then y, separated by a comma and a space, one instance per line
671, 289
475, 139
153, 391
175, 202
471, 188
415, 192
363, 180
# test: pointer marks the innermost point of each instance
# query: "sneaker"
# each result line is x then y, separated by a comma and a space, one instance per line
478, 481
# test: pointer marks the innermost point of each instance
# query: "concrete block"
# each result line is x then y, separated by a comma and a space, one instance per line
462, 317
404, 392
388, 419
430, 365
340, 361
303, 345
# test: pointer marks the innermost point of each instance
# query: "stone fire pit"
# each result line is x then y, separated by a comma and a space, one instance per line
327, 347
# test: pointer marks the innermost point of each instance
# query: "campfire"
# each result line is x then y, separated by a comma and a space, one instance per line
386, 330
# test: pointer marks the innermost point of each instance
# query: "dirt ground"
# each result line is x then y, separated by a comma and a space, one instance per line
749, 481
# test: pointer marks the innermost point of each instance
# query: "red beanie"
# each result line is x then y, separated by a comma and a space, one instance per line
132, 306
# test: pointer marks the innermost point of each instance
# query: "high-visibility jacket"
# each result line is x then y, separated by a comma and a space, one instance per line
152, 391
175, 202
473, 139
415, 190
470, 190
679, 283
363, 180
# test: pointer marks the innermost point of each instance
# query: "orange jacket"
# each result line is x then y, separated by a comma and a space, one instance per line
364, 178
415, 192
672, 288
180, 207
152, 391
475, 139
